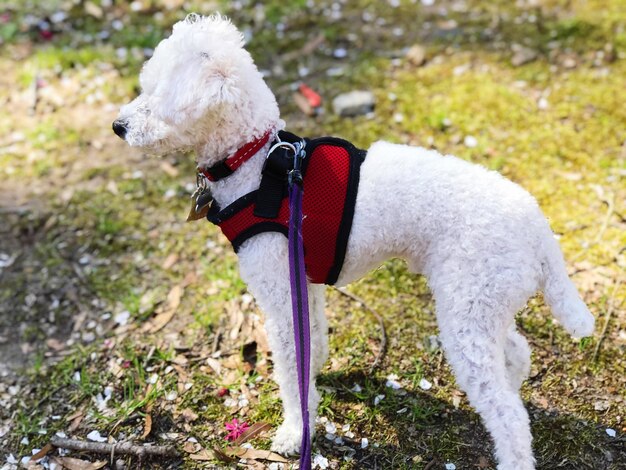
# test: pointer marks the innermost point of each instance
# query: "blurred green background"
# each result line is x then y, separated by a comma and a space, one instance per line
118, 317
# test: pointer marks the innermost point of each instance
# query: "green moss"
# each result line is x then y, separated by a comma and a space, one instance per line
569, 154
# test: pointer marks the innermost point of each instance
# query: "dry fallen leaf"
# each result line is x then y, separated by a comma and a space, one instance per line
215, 365
55, 344
203, 455
252, 431
43, 452
222, 456
78, 464
188, 415
249, 453
115, 368
75, 419
191, 447
180, 360
166, 312
170, 261
147, 427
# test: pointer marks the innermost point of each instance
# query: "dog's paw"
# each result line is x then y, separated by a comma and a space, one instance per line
287, 440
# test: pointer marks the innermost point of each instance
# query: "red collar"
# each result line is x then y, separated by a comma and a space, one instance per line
228, 166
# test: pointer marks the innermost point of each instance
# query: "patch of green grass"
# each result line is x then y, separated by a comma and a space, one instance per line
562, 153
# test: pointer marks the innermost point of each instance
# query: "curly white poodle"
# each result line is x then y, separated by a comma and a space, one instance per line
481, 240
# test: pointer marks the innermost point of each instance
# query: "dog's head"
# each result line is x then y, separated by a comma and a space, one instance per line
200, 84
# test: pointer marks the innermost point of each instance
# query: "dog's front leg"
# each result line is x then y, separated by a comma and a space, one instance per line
264, 266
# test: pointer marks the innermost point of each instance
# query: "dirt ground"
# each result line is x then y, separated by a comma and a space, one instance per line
119, 322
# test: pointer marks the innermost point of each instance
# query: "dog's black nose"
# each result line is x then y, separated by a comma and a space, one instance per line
119, 127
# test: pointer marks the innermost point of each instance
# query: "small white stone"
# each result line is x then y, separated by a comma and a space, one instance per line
392, 382
24, 441
611, 432
121, 53
171, 396
331, 428
425, 384
356, 389
122, 317
96, 437
470, 141
450, 466
364, 442
378, 399
340, 53
320, 462
543, 103
58, 17
76, 376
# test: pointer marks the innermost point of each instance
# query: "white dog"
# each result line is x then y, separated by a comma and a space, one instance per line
481, 240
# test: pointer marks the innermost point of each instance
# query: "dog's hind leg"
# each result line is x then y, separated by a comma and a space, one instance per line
264, 266
517, 353
474, 336
319, 327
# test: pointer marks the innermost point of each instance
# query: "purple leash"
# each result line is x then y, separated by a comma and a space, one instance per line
300, 303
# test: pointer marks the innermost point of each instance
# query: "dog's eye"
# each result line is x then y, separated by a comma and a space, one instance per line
205, 55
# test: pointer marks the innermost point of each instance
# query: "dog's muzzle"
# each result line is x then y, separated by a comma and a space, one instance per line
119, 127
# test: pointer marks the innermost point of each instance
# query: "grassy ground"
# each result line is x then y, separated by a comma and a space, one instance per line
93, 232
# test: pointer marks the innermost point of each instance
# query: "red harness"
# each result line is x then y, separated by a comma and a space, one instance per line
330, 182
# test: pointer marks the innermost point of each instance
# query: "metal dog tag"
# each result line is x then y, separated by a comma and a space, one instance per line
200, 201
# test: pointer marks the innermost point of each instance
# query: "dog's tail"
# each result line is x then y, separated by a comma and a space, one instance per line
561, 294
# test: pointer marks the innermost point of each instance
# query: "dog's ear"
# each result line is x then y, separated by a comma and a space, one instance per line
222, 77
201, 83
209, 76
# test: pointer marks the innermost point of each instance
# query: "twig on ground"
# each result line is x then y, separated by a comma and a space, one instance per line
607, 319
610, 202
123, 448
35, 94
217, 338
381, 323
430, 464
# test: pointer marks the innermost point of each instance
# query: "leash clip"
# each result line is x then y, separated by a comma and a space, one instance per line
299, 152
295, 175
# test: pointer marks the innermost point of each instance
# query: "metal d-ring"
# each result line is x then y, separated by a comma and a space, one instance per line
283, 144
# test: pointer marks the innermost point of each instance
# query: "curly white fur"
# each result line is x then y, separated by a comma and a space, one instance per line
481, 240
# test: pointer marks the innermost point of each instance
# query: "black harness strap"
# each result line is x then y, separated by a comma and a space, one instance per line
273, 187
